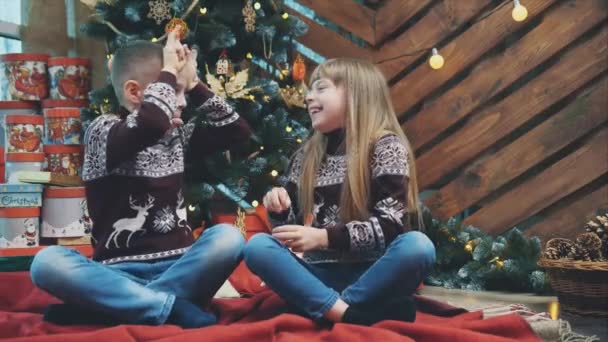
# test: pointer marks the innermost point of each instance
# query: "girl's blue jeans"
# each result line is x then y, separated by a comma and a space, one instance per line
315, 288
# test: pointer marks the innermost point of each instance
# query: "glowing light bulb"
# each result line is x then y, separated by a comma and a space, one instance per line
249, 55
274, 173
288, 129
299, 140
203, 10
257, 6
191, 207
519, 13
285, 15
255, 203
154, 40
436, 61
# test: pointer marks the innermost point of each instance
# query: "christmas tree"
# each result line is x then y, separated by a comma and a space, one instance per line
246, 54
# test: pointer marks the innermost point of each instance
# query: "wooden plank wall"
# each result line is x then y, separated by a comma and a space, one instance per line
514, 128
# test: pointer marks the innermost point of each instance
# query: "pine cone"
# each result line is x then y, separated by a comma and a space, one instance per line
590, 241
562, 248
581, 254
588, 248
551, 253
599, 226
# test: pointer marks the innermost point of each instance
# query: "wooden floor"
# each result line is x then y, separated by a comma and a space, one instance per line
476, 300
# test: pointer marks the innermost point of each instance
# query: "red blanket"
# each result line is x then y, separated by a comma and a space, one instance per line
253, 319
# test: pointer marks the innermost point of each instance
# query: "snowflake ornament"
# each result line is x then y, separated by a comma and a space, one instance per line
159, 10
164, 221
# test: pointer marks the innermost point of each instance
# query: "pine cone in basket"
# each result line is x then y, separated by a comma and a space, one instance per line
588, 247
592, 244
581, 254
558, 248
551, 253
599, 226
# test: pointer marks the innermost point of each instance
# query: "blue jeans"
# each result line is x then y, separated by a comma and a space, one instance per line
315, 288
140, 292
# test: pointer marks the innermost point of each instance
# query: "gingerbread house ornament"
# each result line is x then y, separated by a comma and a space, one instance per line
222, 67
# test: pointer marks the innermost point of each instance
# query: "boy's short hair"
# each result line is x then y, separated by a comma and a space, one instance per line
140, 61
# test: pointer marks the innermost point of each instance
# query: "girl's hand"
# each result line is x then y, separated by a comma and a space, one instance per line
277, 200
301, 238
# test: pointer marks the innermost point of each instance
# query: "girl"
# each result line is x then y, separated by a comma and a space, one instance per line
355, 181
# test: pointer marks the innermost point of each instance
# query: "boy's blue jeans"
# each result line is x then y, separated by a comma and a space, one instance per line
315, 288
141, 292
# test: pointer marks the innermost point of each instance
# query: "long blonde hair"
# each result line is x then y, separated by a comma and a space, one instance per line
369, 116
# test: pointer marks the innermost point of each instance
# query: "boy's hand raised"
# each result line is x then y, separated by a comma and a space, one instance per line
174, 56
189, 74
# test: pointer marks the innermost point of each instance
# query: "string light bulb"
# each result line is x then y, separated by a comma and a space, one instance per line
109, 56
288, 129
274, 173
519, 13
257, 6
251, 97
154, 40
249, 55
554, 310
191, 208
262, 148
255, 203
436, 61
285, 15
299, 140
203, 10
469, 246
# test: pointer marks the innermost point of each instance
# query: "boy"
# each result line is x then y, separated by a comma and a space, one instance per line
146, 268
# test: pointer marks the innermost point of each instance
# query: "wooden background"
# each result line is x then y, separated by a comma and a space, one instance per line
513, 130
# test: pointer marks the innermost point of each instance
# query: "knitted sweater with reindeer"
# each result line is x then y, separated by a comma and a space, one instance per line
133, 171
354, 241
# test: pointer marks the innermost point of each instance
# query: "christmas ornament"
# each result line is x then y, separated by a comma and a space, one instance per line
298, 72
179, 26
159, 10
294, 96
249, 16
234, 87
267, 54
222, 67
559, 248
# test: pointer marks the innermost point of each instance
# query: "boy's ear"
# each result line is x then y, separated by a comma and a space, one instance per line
110, 61
132, 91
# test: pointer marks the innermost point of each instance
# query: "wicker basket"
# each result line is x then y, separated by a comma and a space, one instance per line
581, 286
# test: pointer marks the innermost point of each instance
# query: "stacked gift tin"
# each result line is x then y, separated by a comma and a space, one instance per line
41, 99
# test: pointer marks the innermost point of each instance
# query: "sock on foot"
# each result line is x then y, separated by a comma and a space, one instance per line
400, 309
187, 315
68, 314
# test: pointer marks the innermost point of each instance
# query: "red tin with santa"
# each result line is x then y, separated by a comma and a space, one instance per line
70, 78
25, 76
